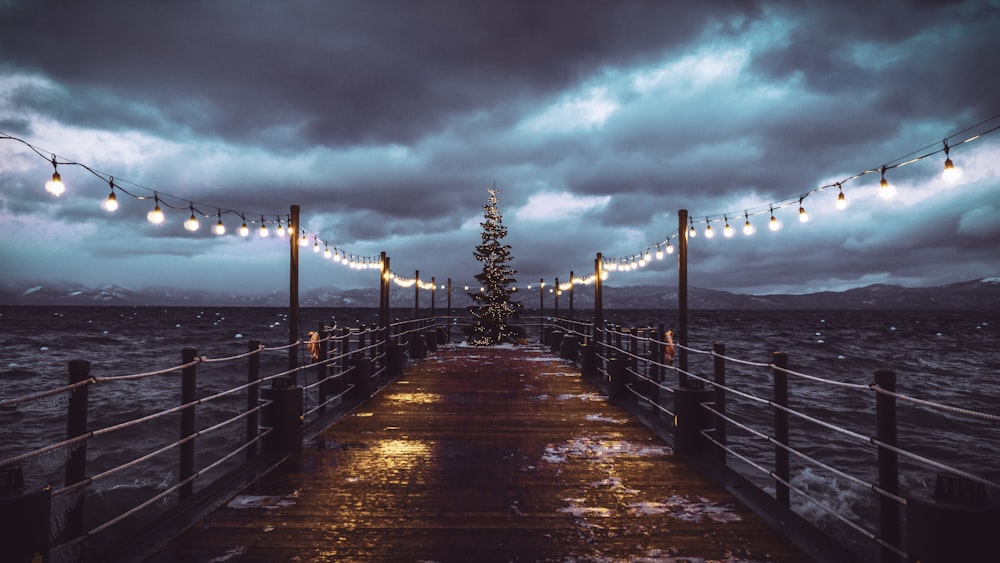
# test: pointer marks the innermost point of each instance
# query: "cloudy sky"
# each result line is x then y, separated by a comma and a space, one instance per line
386, 121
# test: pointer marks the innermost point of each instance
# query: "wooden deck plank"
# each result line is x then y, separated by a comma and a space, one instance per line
492, 454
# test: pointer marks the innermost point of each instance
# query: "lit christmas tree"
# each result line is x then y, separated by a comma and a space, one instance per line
493, 307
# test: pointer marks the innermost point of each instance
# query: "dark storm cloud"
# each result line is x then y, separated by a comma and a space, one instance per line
386, 121
338, 72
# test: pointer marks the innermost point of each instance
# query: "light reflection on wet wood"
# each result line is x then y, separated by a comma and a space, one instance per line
485, 455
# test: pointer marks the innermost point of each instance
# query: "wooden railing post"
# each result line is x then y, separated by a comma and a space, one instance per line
253, 400
720, 397
188, 378
322, 370
76, 425
780, 397
888, 463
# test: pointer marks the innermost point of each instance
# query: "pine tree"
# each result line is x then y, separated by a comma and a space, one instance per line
493, 307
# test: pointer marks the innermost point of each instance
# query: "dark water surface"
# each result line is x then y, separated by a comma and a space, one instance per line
951, 358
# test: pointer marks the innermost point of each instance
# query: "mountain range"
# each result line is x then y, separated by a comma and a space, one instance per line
980, 295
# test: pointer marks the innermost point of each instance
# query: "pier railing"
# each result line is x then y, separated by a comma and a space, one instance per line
237, 417
740, 416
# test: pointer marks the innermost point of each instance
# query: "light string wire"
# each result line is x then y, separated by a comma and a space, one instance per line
116, 185
611, 264
625, 263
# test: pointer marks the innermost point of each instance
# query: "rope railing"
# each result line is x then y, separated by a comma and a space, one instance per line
932, 404
336, 373
853, 525
634, 355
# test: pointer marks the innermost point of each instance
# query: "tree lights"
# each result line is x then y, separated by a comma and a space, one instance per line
493, 307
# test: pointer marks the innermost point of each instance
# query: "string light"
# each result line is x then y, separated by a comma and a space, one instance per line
156, 215
264, 233
952, 173
244, 230
748, 228
841, 200
326, 252
885, 189
55, 185
192, 223
219, 228
111, 204
303, 240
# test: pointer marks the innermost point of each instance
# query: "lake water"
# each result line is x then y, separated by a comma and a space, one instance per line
950, 358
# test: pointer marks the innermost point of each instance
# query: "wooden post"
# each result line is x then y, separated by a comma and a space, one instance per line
682, 296
555, 293
293, 292
780, 397
416, 294
720, 397
888, 462
188, 395
448, 325
598, 297
571, 285
322, 370
541, 308
433, 291
384, 284
76, 425
253, 399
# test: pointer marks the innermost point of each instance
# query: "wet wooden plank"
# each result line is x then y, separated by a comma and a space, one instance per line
493, 454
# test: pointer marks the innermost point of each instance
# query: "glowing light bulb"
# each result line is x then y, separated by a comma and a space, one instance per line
708, 231
803, 216
280, 231
659, 252
244, 230
264, 233
219, 228
670, 248
316, 246
192, 223
748, 228
773, 224
303, 241
885, 189
727, 231
691, 232
156, 215
55, 185
841, 200
326, 253
951, 172
111, 204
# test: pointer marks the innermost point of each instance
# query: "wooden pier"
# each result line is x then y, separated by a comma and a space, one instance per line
484, 454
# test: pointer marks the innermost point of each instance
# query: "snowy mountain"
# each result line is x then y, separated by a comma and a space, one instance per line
980, 295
